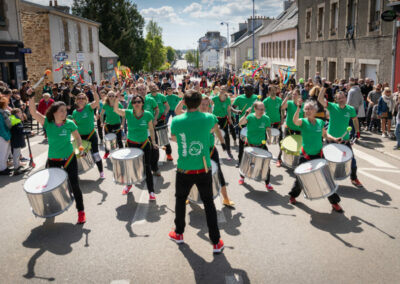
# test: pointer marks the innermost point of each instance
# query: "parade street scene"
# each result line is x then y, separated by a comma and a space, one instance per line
200, 141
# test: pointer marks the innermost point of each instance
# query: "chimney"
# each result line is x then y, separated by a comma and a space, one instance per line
51, 3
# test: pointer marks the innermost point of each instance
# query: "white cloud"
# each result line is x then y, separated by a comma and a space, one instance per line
192, 8
164, 13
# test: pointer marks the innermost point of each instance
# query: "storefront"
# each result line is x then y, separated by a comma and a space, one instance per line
108, 61
12, 63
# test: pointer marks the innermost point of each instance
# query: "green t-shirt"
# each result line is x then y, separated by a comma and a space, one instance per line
59, 137
256, 128
273, 108
290, 111
173, 101
161, 100
221, 108
339, 119
84, 119
243, 103
137, 126
312, 136
192, 131
212, 136
150, 105
112, 117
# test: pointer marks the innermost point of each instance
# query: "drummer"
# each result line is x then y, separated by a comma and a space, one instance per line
61, 153
239, 106
83, 117
312, 131
340, 114
291, 107
139, 123
113, 121
258, 125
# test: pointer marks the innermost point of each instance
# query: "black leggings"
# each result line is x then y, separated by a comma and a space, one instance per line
147, 158
224, 125
215, 157
99, 129
72, 170
114, 128
95, 150
264, 147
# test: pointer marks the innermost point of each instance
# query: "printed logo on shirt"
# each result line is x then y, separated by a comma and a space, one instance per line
347, 114
184, 145
319, 128
63, 132
195, 148
262, 125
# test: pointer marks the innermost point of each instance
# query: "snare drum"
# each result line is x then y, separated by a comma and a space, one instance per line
291, 146
255, 163
48, 192
162, 135
339, 158
128, 166
275, 135
194, 195
316, 179
86, 162
243, 134
110, 141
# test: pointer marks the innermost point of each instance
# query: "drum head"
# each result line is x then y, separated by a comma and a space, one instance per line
110, 136
275, 132
292, 143
310, 166
45, 180
126, 154
243, 132
258, 152
337, 153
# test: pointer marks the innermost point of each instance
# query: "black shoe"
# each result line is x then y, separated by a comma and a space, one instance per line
6, 172
237, 165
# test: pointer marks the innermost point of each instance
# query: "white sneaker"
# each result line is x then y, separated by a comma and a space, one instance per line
384, 135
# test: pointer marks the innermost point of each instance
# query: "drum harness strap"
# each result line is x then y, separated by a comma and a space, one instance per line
226, 120
114, 131
143, 144
193, 172
90, 135
212, 151
67, 161
307, 156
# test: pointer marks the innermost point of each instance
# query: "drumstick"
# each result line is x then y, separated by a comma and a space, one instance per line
348, 130
205, 164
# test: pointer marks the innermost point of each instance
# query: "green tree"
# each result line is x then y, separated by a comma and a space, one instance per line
155, 51
121, 28
189, 57
153, 29
171, 55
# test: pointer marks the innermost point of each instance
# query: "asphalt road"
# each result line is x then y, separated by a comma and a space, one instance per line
267, 240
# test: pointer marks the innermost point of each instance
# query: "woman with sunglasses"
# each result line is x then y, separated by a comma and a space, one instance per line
140, 122
83, 116
113, 120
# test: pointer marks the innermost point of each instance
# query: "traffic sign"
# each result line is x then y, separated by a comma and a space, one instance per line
61, 56
389, 16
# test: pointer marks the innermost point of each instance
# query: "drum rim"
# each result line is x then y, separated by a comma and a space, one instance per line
249, 148
141, 153
339, 145
46, 169
110, 134
313, 170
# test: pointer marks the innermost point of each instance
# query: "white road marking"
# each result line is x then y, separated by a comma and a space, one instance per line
395, 186
143, 207
120, 282
380, 170
233, 279
372, 160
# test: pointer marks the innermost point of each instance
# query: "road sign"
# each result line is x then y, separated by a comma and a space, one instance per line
80, 57
61, 56
389, 16
25, 50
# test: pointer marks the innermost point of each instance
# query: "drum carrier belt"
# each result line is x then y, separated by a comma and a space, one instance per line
90, 135
307, 156
226, 121
67, 161
114, 131
193, 172
143, 144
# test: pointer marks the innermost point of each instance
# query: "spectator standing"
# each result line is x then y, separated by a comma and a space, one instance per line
5, 136
354, 99
17, 138
386, 106
372, 99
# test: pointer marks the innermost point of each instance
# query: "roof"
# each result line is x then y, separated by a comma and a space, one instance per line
53, 10
286, 20
246, 36
105, 52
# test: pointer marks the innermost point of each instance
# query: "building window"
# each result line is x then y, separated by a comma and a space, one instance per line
307, 68
66, 36
318, 66
308, 23
348, 70
93, 71
90, 32
284, 49
79, 37
351, 18
334, 18
250, 53
293, 49
374, 15
3, 22
320, 24
280, 50
332, 71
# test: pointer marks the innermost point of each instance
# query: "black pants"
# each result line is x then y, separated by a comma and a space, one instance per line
95, 150
147, 158
224, 125
184, 183
269, 169
99, 129
72, 170
215, 157
241, 145
296, 189
116, 129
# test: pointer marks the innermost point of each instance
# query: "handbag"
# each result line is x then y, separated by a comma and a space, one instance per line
384, 114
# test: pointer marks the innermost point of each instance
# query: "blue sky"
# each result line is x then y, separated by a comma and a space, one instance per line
184, 22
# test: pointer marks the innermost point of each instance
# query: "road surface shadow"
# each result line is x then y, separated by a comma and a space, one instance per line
370, 142
219, 270
267, 199
53, 237
361, 194
338, 224
89, 186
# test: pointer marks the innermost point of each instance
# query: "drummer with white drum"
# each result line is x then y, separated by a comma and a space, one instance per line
258, 125
340, 114
312, 132
291, 107
61, 153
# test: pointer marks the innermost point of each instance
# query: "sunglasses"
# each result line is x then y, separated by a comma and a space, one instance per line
81, 98
111, 96
136, 102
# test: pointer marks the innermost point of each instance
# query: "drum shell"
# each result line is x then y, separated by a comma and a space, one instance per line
194, 195
253, 166
51, 203
339, 170
162, 135
318, 183
243, 134
128, 171
275, 138
289, 160
110, 141
85, 163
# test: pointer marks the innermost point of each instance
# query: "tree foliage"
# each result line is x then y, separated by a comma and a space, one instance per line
190, 57
171, 55
155, 51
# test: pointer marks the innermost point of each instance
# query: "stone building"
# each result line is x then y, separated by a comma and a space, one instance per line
57, 39
344, 38
209, 47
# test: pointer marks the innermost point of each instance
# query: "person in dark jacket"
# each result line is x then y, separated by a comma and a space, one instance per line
17, 137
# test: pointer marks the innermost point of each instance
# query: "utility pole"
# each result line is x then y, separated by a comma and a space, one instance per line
252, 28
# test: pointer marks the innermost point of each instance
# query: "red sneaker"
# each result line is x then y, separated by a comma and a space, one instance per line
169, 158
81, 217
356, 182
337, 208
241, 181
269, 187
218, 247
292, 200
126, 189
152, 196
278, 163
178, 238
106, 155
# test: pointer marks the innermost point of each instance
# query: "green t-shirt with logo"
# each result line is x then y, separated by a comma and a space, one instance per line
59, 137
137, 126
290, 111
256, 128
84, 119
173, 101
150, 105
243, 103
273, 108
112, 117
339, 119
192, 131
221, 108
161, 100
312, 136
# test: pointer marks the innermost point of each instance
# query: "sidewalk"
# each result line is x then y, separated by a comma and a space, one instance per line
375, 141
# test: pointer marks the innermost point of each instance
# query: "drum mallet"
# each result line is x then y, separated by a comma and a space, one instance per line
205, 164
348, 130
47, 72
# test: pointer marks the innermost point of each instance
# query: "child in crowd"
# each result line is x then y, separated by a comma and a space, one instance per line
17, 138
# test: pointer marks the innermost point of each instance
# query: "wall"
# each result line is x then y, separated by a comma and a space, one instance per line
12, 30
